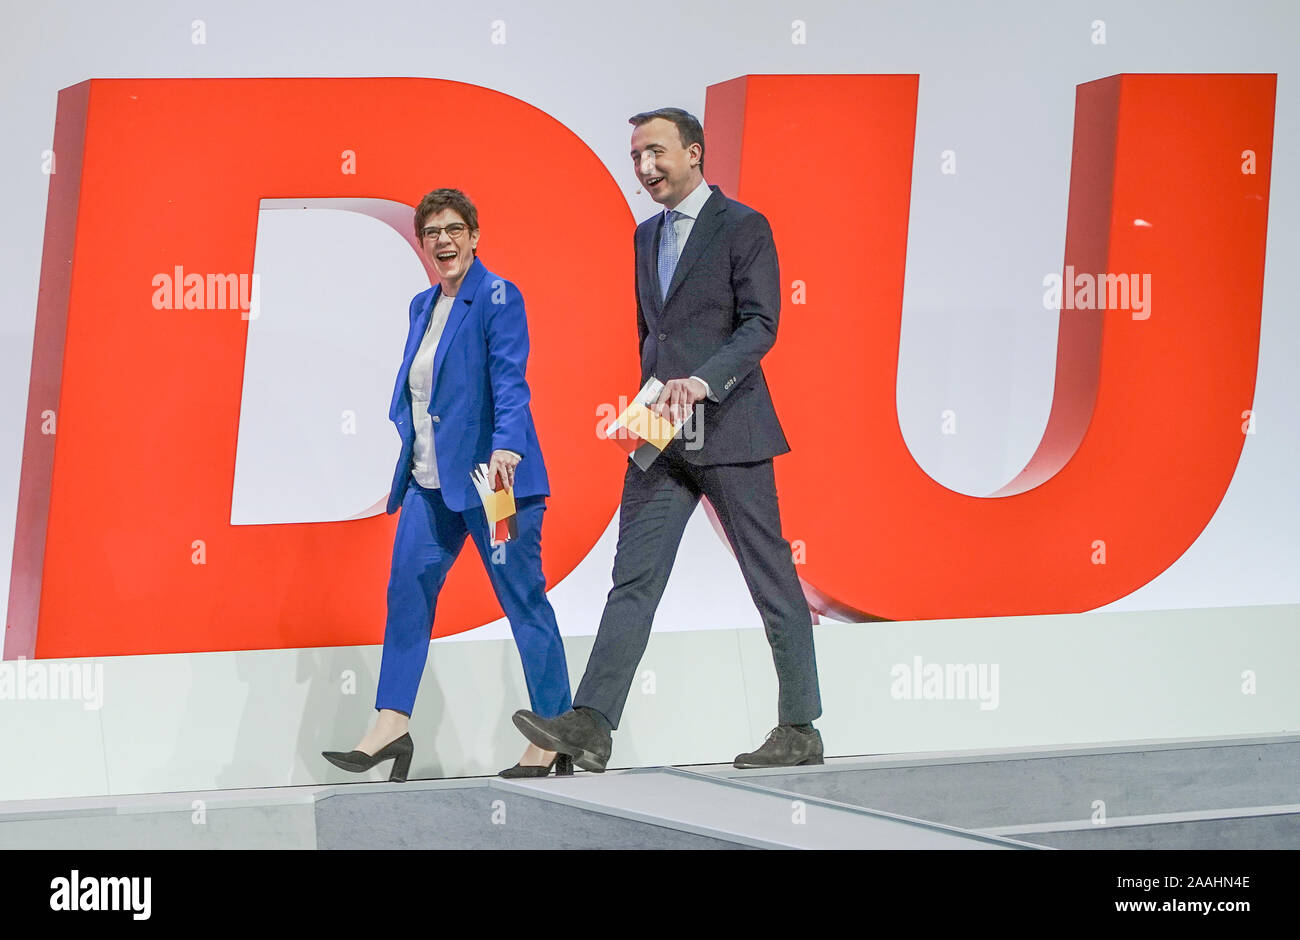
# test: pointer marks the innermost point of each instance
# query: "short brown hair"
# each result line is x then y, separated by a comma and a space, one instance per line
688, 126
440, 199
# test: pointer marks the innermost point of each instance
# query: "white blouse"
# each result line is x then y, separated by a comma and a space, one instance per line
424, 464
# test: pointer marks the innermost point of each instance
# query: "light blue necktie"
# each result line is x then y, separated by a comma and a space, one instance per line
667, 252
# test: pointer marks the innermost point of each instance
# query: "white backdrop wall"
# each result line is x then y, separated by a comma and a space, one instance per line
260, 718
997, 86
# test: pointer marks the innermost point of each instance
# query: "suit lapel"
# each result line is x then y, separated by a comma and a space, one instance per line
420, 326
456, 316
648, 282
702, 232
413, 341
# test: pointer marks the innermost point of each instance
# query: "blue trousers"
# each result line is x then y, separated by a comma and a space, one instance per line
429, 538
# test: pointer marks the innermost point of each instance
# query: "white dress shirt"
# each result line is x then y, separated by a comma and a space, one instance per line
688, 210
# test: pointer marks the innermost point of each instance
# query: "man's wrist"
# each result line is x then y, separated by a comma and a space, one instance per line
708, 392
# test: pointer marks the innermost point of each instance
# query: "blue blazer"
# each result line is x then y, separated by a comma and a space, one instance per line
479, 397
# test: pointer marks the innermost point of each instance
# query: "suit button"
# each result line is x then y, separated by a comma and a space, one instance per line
662, 337
436, 419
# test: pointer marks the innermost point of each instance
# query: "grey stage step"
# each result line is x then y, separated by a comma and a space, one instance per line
1257, 827
747, 813
1239, 793
486, 814
655, 808
1234, 793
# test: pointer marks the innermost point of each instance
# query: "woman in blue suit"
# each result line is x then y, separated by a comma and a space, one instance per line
461, 399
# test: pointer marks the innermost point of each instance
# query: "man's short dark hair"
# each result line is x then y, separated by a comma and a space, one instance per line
688, 126
440, 199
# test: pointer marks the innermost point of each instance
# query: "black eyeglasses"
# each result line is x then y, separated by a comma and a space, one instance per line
454, 230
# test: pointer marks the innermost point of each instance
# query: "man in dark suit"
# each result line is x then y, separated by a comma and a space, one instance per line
708, 295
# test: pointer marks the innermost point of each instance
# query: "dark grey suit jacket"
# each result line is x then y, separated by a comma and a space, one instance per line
717, 321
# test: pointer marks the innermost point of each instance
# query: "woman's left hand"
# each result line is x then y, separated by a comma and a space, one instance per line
503, 466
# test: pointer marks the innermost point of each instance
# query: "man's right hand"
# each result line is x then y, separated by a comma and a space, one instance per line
677, 400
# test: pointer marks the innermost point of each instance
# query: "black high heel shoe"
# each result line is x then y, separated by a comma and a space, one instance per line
400, 751
562, 763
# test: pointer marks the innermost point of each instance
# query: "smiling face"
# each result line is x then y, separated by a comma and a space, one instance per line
667, 170
450, 256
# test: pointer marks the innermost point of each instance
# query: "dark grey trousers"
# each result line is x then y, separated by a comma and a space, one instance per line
655, 507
